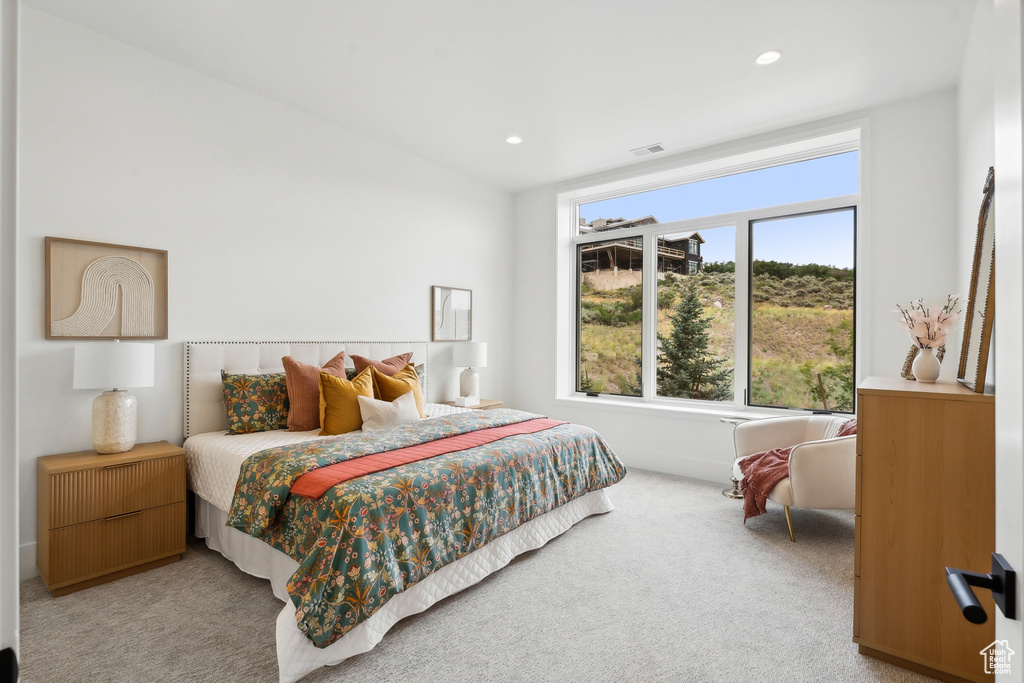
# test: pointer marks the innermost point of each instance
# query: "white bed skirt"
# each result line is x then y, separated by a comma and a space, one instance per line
297, 656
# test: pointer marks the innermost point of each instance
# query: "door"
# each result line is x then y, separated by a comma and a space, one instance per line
1009, 332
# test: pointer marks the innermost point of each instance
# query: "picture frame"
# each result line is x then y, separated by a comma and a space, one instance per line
97, 290
451, 316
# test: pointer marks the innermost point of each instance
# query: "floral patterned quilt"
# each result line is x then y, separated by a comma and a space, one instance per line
370, 538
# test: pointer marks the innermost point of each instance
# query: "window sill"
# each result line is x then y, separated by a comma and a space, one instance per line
620, 404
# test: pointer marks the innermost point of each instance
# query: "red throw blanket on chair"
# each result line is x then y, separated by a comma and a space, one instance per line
762, 471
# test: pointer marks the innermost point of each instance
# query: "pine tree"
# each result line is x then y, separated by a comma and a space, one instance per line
686, 369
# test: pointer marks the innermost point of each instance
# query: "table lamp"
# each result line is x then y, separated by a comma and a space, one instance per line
469, 355
114, 366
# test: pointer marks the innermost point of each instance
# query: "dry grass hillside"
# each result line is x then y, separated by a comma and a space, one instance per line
794, 321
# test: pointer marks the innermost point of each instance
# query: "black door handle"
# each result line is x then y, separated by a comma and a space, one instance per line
1002, 582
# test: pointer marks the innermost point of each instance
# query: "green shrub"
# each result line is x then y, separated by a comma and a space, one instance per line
634, 298
719, 267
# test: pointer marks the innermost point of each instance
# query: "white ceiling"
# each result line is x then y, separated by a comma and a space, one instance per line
581, 81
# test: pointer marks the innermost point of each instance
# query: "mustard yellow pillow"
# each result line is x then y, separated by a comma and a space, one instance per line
339, 402
402, 382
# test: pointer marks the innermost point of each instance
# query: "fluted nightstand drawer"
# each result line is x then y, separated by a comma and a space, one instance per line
85, 495
83, 551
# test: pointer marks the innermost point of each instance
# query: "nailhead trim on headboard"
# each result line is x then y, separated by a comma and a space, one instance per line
199, 415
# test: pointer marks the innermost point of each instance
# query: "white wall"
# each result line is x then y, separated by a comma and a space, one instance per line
975, 129
976, 143
909, 236
9, 607
279, 226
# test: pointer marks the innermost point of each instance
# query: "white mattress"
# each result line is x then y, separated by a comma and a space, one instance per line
215, 458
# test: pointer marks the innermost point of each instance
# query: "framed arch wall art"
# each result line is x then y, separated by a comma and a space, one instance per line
105, 291
451, 314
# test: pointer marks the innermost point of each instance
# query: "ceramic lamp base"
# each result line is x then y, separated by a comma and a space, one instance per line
114, 426
469, 383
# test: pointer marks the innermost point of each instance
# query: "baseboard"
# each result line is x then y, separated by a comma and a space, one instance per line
718, 471
27, 562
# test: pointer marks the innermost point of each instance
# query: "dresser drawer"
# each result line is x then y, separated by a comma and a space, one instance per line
81, 551
101, 492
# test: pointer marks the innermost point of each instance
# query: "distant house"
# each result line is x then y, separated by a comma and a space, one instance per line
678, 253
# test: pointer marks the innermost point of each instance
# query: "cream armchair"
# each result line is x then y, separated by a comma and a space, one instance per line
822, 468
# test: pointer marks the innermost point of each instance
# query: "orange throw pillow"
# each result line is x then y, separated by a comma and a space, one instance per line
303, 383
389, 366
402, 382
339, 402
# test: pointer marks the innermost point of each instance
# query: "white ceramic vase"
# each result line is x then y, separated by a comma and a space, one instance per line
926, 366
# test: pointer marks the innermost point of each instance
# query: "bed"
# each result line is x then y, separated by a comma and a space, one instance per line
318, 625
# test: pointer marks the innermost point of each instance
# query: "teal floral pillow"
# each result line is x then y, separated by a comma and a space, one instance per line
255, 403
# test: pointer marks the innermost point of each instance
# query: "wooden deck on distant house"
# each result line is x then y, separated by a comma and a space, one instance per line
627, 254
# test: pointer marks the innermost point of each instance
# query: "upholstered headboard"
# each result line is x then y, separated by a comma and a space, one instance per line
204, 393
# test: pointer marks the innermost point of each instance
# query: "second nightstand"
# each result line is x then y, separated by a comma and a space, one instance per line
485, 404
101, 517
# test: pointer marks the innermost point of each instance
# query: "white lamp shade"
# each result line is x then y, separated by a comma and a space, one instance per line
113, 365
470, 355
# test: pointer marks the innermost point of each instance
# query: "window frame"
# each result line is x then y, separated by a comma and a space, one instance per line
852, 136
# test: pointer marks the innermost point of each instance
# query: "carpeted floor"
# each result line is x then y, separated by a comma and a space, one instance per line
670, 586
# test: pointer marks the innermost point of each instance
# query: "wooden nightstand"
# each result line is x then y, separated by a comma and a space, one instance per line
103, 517
485, 404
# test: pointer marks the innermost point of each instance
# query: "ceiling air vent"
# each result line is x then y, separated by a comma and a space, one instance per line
647, 149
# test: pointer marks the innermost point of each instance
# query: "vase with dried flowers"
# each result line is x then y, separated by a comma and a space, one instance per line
928, 327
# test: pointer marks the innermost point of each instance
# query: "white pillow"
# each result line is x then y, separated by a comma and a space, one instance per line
380, 414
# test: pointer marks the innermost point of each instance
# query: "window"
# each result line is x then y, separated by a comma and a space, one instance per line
610, 301
801, 328
696, 327
664, 313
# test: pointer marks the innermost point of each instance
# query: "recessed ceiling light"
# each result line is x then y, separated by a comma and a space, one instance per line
769, 57
513, 140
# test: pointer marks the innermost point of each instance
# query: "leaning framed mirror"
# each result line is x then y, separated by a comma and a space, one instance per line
981, 303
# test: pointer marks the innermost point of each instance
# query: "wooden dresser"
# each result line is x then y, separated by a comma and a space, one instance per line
102, 517
925, 501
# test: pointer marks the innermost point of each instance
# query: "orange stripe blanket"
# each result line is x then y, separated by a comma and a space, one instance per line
315, 483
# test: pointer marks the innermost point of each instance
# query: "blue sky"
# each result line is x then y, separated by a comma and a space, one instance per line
824, 238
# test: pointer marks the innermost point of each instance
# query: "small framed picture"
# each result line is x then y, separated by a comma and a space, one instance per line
105, 291
452, 314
